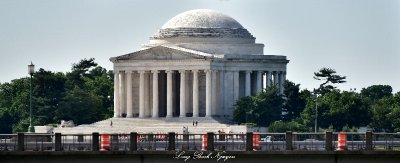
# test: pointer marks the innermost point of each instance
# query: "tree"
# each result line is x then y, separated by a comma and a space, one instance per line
281, 126
381, 115
6, 119
269, 105
295, 101
308, 115
48, 91
79, 71
329, 77
394, 117
14, 106
261, 109
376, 92
244, 109
83, 66
80, 106
337, 109
88, 89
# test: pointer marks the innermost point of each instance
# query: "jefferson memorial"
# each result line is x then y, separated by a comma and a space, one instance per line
192, 70
197, 65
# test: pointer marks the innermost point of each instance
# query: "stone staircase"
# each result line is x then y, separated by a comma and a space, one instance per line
156, 125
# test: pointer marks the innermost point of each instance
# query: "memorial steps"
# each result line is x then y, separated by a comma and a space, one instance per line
155, 125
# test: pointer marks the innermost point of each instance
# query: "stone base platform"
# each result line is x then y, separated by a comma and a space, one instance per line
156, 125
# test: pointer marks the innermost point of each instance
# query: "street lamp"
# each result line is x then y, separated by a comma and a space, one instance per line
31, 70
316, 113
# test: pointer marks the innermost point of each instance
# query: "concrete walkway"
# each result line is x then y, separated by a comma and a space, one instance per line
158, 125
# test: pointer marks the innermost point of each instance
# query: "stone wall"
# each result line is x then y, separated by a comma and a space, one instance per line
178, 157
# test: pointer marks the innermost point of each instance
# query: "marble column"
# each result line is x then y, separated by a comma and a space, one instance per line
282, 78
214, 92
147, 103
268, 78
195, 93
122, 93
116, 95
259, 81
182, 100
276, 78
222, 93
169, 94
141, 94
235, 86
155, 94
188, 92
248, 84
208, 93
129, 94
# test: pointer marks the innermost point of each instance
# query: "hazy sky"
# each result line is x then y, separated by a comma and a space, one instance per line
358, 38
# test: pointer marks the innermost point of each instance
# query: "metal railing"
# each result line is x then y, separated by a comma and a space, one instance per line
38, 142
8, 142
272, 141
229, 142
152, 142
309, 141
193, 142
76, 142
386, 141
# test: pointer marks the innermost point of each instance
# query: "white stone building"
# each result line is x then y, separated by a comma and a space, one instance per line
197, 65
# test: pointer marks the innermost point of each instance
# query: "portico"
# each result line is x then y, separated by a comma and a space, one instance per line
164, 90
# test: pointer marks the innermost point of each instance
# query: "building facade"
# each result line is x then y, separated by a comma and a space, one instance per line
197, 65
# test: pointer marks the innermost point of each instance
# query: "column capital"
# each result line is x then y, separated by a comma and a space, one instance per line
155, 71
169, 71
128, 72
182, 71
195, 71
209, 70
141, 71
249, 71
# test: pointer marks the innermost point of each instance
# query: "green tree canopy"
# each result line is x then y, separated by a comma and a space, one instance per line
386, 114
281, 126
295, 100
376, 92
87, 89
80, 106
262, 109
337, 110
329, 77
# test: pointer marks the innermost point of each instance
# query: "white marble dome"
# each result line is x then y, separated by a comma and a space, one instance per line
202, 23
202, 18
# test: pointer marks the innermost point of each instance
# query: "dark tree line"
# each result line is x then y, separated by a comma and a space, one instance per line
375, 107
84, 95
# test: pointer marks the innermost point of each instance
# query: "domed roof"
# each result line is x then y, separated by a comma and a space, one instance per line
202, 23
202, 18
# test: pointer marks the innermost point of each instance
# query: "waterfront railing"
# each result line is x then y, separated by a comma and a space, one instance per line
322, 141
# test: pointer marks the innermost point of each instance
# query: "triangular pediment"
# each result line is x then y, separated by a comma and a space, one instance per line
164, 53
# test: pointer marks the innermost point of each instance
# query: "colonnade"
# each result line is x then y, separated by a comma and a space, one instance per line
123, 90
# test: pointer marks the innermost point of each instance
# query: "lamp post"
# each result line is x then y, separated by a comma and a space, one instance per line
316, 113
31, 70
